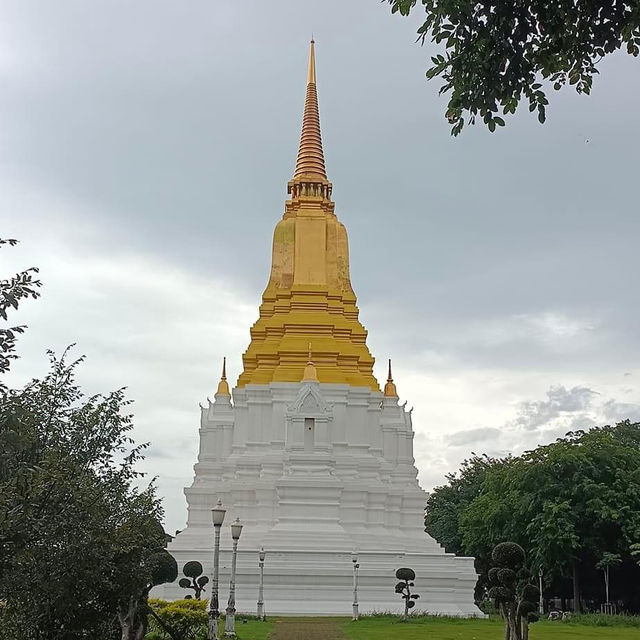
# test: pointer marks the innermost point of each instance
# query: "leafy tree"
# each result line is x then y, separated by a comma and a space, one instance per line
406, 577
607, 561
499, 53
565, 503
12, 291
447, 502
141, 564
70, 511
80, 544
516, 600
194, 580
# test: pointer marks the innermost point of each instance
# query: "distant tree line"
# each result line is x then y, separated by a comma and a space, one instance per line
573, 506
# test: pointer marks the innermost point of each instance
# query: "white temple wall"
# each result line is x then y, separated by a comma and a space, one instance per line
312, 498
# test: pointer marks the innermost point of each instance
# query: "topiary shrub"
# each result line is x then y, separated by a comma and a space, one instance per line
513, 596
194, 580
406, 577
508, 554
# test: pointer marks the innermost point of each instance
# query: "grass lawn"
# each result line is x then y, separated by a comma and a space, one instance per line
252, 630
452, 629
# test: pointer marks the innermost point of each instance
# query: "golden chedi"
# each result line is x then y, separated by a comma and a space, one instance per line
309, 295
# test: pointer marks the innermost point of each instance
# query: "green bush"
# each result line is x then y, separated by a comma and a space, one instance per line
184, 616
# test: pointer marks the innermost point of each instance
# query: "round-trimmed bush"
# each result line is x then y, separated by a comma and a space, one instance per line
500, 593
531, 593
493, 575
192, 569
163, 567
507, 577
527, 607
405, 573
508, 554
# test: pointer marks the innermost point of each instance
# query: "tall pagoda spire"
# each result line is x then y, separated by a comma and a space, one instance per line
309, 297
310, 161
309, 182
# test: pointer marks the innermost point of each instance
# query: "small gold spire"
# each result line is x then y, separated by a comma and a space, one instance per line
390, 388
223, 386
310, 373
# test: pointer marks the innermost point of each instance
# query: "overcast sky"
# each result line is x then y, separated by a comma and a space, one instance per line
145, 150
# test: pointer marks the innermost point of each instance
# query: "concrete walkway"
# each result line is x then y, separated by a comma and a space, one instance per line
306, 629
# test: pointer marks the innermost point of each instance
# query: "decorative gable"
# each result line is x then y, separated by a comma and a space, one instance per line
310, 404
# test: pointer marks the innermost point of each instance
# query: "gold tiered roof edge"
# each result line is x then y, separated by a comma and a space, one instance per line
309, 297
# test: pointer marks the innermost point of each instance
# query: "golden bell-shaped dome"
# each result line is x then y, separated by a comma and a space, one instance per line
223, 385
390, 388
310, 373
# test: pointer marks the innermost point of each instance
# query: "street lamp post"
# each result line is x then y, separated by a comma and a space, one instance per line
541, 603
230, 622
218, 518
261, 556
356, 566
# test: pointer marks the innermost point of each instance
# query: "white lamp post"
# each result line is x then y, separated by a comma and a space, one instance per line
230, 622
217, 515
541, 603
261, 556
356, 566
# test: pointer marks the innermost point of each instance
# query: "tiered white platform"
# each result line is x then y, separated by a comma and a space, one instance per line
316, 471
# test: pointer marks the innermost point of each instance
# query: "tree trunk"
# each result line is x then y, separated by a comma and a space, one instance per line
513, 622
141, 630
507, 626
126, 617
576, 588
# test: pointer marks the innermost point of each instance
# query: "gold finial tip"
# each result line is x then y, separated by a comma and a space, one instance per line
311, 75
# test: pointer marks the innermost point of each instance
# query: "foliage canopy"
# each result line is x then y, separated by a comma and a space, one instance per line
498, 53
566, 503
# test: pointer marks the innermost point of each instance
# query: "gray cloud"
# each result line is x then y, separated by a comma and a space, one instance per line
617, 411
472, 436
533, 414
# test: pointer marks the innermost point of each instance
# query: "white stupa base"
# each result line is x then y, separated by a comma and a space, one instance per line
321, 583
316, 472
